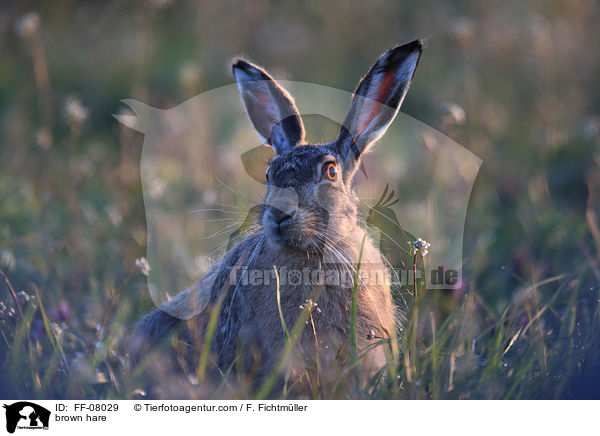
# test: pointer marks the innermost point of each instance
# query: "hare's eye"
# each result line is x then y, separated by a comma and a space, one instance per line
267, 173
331, 171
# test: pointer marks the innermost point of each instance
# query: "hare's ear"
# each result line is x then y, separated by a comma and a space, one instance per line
376, 102
270, 108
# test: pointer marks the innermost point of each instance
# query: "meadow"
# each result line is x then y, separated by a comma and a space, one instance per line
513, 82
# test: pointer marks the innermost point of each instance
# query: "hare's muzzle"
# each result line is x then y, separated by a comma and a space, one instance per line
279, 219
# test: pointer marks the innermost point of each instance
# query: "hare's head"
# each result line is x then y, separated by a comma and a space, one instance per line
310, 201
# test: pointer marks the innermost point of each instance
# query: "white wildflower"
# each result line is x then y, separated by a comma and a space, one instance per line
453, 113
189, 75
7, 258
420, 246
311, 305
156, 187
75, 111
143, 265
114, 214
28, 24
57, 329
23, 296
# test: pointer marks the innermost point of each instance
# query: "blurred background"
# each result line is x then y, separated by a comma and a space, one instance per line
514, 82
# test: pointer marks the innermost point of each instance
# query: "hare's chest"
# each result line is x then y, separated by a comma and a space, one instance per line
327, 308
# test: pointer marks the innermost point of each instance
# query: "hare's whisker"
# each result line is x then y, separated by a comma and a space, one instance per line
229, 205
211, 210
391, 238
248, 265
387, 218
216, 220
338, 257
220, 232
234, 191
224, 244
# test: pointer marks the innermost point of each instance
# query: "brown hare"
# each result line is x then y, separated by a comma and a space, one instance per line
309, 232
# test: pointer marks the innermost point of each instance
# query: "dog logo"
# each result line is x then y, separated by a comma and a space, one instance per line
26, 415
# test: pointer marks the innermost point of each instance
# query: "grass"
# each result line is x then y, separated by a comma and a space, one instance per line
545, 346
353, 349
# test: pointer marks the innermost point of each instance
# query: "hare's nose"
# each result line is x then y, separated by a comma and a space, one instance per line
279, 217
